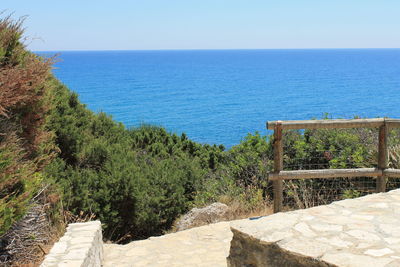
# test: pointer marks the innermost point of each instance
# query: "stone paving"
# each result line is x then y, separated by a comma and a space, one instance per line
205, 246
356, 232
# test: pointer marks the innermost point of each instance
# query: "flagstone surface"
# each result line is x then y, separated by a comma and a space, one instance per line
358, 232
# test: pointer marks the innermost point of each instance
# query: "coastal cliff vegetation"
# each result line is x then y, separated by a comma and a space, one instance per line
137, 181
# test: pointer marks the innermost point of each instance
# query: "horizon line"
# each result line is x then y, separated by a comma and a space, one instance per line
214, 49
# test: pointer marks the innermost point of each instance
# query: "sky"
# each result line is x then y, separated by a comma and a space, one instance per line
207, 24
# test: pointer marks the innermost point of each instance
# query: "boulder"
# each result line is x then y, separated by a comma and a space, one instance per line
213, 213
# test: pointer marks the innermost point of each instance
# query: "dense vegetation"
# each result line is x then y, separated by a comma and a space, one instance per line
25, 145
136, 181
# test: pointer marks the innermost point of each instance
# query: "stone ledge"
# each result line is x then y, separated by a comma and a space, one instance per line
81, 246
354, 233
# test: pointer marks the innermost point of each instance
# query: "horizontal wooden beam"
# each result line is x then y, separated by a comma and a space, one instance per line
329, 124
326, 173
394, 173
392, 123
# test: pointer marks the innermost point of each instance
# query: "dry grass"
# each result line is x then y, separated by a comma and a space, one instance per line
29, 240
26, 251
239, 211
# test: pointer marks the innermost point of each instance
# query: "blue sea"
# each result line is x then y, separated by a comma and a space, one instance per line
218, 96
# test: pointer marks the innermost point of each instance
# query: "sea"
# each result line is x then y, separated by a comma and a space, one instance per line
219, 96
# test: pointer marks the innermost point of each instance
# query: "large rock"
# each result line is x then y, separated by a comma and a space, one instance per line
213, 213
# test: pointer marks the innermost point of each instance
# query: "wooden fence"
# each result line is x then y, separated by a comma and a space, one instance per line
381, 171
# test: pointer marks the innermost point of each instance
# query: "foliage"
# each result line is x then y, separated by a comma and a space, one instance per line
18, 182
138, 181
240, 179
351, 193
25, 146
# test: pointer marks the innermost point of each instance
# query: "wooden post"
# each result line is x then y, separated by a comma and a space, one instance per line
278, 166
382, 157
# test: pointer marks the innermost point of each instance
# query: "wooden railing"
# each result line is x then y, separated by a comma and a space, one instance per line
381, 171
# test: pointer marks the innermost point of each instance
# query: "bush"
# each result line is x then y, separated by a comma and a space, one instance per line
25, 145
138, 181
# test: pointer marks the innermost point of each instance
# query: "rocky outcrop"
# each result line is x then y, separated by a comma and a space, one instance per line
213, 213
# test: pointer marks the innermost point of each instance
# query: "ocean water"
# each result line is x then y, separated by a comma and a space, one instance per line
218, 96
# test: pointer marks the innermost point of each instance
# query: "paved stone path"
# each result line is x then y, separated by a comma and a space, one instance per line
206, 246
359, 232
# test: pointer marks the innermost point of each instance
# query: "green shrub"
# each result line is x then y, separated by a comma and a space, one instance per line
25, 145
138, 181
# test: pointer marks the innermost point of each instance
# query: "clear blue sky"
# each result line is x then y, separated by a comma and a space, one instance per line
208, 24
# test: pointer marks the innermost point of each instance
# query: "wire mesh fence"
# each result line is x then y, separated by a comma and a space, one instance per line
393, 157
307, 193
334, 149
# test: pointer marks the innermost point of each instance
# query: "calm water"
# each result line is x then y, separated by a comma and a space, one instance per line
220, 96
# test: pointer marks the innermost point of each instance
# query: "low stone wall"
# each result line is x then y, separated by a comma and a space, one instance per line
354, 233
81, 246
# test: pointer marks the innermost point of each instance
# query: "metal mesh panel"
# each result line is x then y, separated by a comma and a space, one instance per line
334, 149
